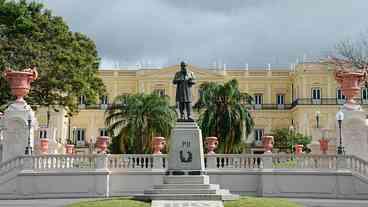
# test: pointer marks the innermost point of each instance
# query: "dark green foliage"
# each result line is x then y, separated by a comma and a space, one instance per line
67, 62
285, 140
134, 119
224, 114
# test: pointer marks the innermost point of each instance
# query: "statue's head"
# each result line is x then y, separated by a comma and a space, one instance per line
183, 66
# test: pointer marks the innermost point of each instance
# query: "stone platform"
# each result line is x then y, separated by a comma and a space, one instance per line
187, 187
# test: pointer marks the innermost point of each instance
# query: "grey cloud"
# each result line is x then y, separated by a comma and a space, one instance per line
234, 32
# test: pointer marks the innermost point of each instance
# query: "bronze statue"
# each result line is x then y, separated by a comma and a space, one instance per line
184, 80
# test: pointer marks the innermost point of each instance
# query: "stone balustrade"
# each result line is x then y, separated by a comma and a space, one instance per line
233, 161
104, 175
11, 164
45, 162
357, 165
137, 161
149, 162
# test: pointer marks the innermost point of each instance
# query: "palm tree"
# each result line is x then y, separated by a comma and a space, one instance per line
133, 120
225, 114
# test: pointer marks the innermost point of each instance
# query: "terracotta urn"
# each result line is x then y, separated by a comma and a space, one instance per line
69, 149
323, 145
211, 143
267, 142
20, 81
350, 82
158, 144
298, 149
44, 146
102, 143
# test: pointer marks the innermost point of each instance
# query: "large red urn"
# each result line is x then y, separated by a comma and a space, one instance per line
267, 142
323, 145
349, 78
158, 144
211, 143
102, 143
20, 81
298, 149
69, 149
44, 145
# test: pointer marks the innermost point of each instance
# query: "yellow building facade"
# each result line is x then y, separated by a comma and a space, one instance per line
282, 98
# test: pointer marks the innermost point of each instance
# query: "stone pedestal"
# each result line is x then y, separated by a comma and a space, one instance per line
16, 131
186, 150
354, 133
186, 177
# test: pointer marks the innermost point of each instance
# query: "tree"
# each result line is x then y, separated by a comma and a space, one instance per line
285, 140
224, 113
354, 51
67, 61
133, 120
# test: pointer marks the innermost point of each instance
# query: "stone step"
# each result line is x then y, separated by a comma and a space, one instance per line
186, 179
210, 197
188, 186
181, 191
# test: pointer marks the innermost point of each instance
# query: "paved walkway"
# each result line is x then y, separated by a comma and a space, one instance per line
64, 202
330, 202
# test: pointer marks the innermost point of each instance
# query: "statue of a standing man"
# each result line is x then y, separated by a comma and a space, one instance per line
184, 80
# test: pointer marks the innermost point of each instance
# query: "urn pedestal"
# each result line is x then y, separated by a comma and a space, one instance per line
19, 121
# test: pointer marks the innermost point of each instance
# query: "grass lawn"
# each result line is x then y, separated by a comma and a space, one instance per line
261, 202
242, 202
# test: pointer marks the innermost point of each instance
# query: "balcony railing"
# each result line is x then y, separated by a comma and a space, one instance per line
271, 106
95, 106
300, 101
325, 101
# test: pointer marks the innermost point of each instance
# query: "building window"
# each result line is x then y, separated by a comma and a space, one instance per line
280, 99
104, 100
160, 92
258, 134
316, 95
364, 95
82, 100
80, 136
43, 134
339, 96
103, 132
258, 101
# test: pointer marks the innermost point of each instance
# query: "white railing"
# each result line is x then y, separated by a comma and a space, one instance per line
43, 162
357, 165
137, 161
233, 161
148, 162
304, 161
9, 165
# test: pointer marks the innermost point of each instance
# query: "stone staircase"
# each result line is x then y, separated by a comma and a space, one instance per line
187, 187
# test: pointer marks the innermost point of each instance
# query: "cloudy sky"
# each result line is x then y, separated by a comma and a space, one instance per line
202, 32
